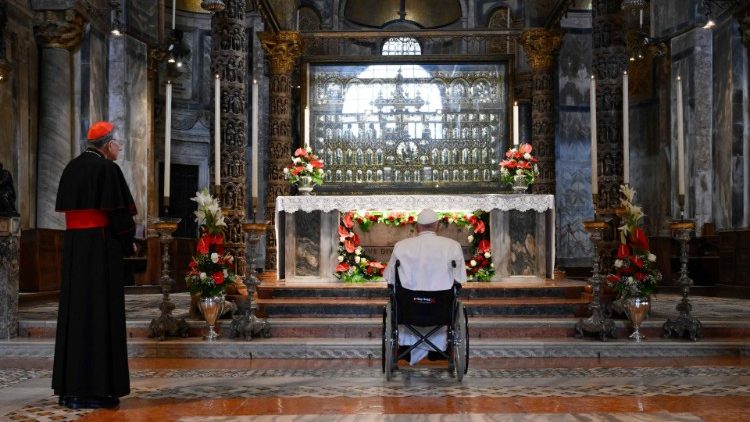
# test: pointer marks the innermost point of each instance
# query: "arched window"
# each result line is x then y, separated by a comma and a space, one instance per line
401, 46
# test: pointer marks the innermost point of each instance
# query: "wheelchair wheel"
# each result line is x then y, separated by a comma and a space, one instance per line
460, 343
389, 346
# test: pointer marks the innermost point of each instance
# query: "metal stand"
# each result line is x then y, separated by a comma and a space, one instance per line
166, 325
247, 325
597, 323
685, 323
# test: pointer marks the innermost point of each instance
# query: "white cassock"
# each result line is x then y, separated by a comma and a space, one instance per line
425, 264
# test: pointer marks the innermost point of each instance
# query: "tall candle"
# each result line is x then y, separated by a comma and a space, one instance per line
174, 9
594, 167
680, 141
307, 127
625, 130
217, 132
168, 141
254, 142
515, 123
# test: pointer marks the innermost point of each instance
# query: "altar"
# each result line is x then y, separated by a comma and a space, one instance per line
309, 242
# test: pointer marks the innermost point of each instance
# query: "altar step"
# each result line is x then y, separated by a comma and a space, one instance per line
524, 296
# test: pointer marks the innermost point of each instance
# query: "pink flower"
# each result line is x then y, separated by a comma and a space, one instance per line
525, 148
300, 152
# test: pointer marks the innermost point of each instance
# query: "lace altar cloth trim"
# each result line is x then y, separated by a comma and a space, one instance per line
486, 202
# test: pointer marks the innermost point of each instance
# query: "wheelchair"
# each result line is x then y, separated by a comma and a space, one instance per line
414, 308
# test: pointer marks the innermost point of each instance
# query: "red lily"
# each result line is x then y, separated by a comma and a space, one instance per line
623, 251
300, 152
342, 267
218, 277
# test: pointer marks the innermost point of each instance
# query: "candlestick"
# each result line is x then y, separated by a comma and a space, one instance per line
217, 132
174, 9
168, 142
680, 142
625, 130
254, 144
594, 166
515, 123
307, 127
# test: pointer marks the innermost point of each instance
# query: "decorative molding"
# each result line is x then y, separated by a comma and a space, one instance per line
283, 50
60, 28
541, 47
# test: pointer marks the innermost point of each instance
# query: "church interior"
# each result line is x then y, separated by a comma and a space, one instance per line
591, 157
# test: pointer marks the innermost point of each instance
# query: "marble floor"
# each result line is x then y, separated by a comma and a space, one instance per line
552, 389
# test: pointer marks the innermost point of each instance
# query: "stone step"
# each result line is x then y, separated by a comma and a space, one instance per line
333, 307
480, 327
510, 287
337, 348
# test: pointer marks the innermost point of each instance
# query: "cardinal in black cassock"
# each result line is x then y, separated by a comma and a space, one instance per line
91, 359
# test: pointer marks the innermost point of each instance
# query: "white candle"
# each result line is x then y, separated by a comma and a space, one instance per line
168, 140
625, 130
515, 123
641, 18
680, 142
594, 167
217, 132
307, 127
174, 9
254, 142
297, 20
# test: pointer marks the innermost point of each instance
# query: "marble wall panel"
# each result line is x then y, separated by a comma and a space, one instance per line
573, 148
307, 245
98, 77
692, 59
142, 19
669, 17
731, 108
649, 168
56, 144
128, 109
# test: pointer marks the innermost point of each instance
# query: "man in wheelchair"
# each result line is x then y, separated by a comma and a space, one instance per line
426, 266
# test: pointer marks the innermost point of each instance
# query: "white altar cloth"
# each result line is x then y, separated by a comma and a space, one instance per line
544, 205
485, 202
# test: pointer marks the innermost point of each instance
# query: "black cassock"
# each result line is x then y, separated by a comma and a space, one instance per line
91, 358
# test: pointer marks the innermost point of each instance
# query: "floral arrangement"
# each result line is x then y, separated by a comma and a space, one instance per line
304, 164
356, 266
479, 267
519, 161
635, 266
210, 270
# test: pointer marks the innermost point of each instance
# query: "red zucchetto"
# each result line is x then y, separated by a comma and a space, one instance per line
99, 131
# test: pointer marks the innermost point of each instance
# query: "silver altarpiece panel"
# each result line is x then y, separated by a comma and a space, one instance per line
426, 127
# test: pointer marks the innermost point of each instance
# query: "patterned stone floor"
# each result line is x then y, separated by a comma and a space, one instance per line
558, 390
146, 307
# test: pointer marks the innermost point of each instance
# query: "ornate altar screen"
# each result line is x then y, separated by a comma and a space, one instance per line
409, 127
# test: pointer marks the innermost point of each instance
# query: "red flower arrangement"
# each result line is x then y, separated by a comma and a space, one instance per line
356, 266
305, 164
210, 270
519, 161
635, 274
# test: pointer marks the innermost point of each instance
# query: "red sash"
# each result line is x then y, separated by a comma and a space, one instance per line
85, 219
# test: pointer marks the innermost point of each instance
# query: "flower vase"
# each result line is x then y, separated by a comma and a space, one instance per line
520, 183
637, 310
305, 185
211, 308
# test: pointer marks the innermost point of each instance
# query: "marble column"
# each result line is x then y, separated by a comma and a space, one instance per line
608, 63
541, 47
58, 33
9, 261
229, 61
283, 49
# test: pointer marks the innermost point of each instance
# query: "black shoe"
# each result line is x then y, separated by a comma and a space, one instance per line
90, 402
